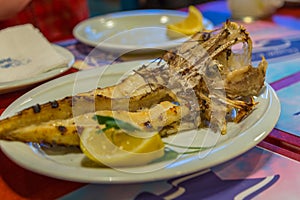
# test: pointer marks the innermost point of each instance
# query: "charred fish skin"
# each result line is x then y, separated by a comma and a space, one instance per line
58, 109
82, 103
65, 132
48, 134
38, 113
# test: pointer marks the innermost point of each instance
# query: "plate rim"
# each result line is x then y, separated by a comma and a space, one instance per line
114, 48
23, 83
93, 176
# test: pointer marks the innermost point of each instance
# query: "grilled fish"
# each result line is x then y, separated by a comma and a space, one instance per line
65, 132
204, 75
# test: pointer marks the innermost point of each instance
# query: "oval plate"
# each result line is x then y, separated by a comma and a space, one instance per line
141, 31
68, 164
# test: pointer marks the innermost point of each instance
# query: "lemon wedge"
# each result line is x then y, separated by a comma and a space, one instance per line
190, 25
116, 148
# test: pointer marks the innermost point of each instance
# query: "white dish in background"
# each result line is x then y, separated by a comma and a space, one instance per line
23, 83
138, 30
69, 165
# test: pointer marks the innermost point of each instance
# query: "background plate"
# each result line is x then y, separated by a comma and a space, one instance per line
138, 30
68, 163
23, 83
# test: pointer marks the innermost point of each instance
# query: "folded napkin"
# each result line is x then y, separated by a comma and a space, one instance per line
25, 53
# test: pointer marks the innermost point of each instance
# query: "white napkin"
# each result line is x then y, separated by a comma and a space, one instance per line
25, 52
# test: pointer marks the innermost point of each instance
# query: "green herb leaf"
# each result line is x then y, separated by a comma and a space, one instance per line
111, 122
188, 147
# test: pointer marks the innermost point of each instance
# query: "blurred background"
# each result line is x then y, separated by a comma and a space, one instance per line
98, 7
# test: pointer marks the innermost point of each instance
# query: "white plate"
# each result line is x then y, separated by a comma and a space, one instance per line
23, 83
138, 30
69, 166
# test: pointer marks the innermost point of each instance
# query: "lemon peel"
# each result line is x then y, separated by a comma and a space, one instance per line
190, 25
116, 148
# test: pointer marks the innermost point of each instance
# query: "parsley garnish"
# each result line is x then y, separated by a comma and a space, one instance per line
111, 122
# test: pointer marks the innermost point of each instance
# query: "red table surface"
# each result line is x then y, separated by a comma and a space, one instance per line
19, 183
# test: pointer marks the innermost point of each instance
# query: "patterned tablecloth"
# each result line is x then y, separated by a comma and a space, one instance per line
270, 170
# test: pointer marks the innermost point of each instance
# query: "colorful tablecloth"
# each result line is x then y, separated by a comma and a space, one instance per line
270, 170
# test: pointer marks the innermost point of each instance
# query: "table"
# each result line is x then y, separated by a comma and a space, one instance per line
273, 164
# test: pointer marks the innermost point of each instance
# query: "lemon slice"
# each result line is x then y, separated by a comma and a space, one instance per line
116, 148
190, 25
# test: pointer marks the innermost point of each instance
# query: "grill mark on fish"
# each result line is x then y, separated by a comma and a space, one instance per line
54, 104
36, 108
62, 129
